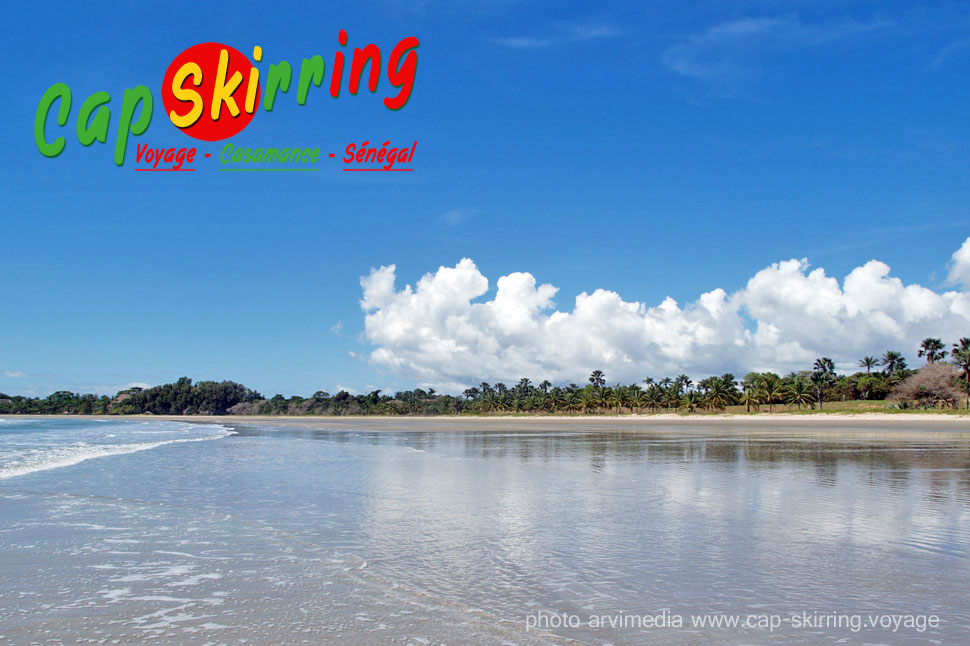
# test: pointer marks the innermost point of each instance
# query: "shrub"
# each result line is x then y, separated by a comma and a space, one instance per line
933, 386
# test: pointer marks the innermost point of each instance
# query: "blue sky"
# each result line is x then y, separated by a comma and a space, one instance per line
652, 151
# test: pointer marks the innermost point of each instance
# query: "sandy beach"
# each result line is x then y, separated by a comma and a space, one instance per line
467, 530
877, 426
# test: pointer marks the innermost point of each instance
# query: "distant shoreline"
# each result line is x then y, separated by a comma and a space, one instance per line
869, 425
810, 417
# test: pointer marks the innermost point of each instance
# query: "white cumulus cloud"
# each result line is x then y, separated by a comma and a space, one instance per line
440, 333
960, 265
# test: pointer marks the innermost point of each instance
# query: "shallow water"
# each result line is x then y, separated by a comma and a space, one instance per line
276, 535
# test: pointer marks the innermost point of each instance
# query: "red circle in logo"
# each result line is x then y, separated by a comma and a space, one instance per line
198, 69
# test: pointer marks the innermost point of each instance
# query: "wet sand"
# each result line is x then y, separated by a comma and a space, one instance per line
879, 426
443, 531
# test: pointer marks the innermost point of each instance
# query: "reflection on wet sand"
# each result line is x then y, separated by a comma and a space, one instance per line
437, 536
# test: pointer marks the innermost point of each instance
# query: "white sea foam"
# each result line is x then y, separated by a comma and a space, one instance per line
67, 456
72, 442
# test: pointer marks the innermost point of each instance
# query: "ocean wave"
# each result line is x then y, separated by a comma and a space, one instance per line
43, 458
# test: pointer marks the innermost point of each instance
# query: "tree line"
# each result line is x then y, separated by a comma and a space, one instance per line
938, 384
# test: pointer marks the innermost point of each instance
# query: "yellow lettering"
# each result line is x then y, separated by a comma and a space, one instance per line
222, 92
253, 81
187, 95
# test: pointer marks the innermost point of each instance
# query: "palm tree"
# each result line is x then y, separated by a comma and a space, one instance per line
671, 398
599, 397
616, 397
690, 401
491, 402
932, 349
823, 374
960, 356
892, 361
597, 378
556, 399
718, 396
731, 383
868, 363
537, 401
588, 400
749, 387
771, 389
750, 397
627, 396
571, 401
704, 385
639, 399
800, 394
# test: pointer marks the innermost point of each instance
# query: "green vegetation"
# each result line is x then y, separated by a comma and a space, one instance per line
938, 385
179, 398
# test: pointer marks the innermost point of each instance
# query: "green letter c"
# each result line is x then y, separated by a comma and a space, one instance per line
54, 92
